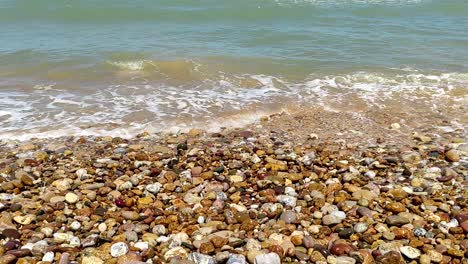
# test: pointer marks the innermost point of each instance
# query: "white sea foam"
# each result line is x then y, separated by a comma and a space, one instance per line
128, 109
129, 65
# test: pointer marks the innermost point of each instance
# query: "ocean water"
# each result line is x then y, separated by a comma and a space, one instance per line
119, 67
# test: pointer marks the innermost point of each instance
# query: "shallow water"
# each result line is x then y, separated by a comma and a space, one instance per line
85, 67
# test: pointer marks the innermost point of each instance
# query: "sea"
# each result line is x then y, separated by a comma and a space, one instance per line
120, 67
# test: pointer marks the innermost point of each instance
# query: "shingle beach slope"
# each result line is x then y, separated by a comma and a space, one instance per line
308, 187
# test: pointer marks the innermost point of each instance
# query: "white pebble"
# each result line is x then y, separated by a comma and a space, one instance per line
48, 257
71, 198
410, 252
81, 172
75, 241
102, 227
153, 188
119, 249
75, 225
62, 237
47, 231
395, 126
141, 245
201, 219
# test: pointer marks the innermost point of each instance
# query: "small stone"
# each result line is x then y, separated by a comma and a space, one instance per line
102, 227
131, 236
270, 258
288, 216
456, 252
360, 227
287, 200
48, 257
464, 225
391, 257
346, 232
452, 156
207, 248
91, 260
142, 245
130, 215
252, 254
154, 188
8, 258
144, 202
150, 238
364, 211
198, 258
11, 233
333, 219
75, 225
71, 198
118, 249
410, 252
64, 258
411, 157
91, 195
397, 220
24, 220
419, 232
308, 241
435, 256
341, 247
396, 207
27, 180
236, 259
395, 126
317, 257
219, 242
175, 252
345, 260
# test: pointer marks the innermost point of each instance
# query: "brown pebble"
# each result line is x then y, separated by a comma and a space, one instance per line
207, 247
6, 259
219, 242
341, 247
277, 249
391, 257
11, 233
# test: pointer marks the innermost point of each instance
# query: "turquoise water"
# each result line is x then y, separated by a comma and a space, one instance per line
69, 66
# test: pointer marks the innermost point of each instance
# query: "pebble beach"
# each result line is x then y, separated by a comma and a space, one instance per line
311, 186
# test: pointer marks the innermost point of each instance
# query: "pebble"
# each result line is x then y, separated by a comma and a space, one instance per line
102, 227
345, 260
91, 260
118, 249
397, 220
435, 256
130, 215
410, 252
141, 245
236, 259
198, 258
48, 257
154, 188
360, 227
452, 156
71, 198
270, 258
287, 200
334, 218
75, 225
288, 216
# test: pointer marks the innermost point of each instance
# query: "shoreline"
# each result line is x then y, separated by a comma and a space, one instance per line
310, 185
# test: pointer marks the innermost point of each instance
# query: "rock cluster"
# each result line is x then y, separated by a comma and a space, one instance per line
232, 197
